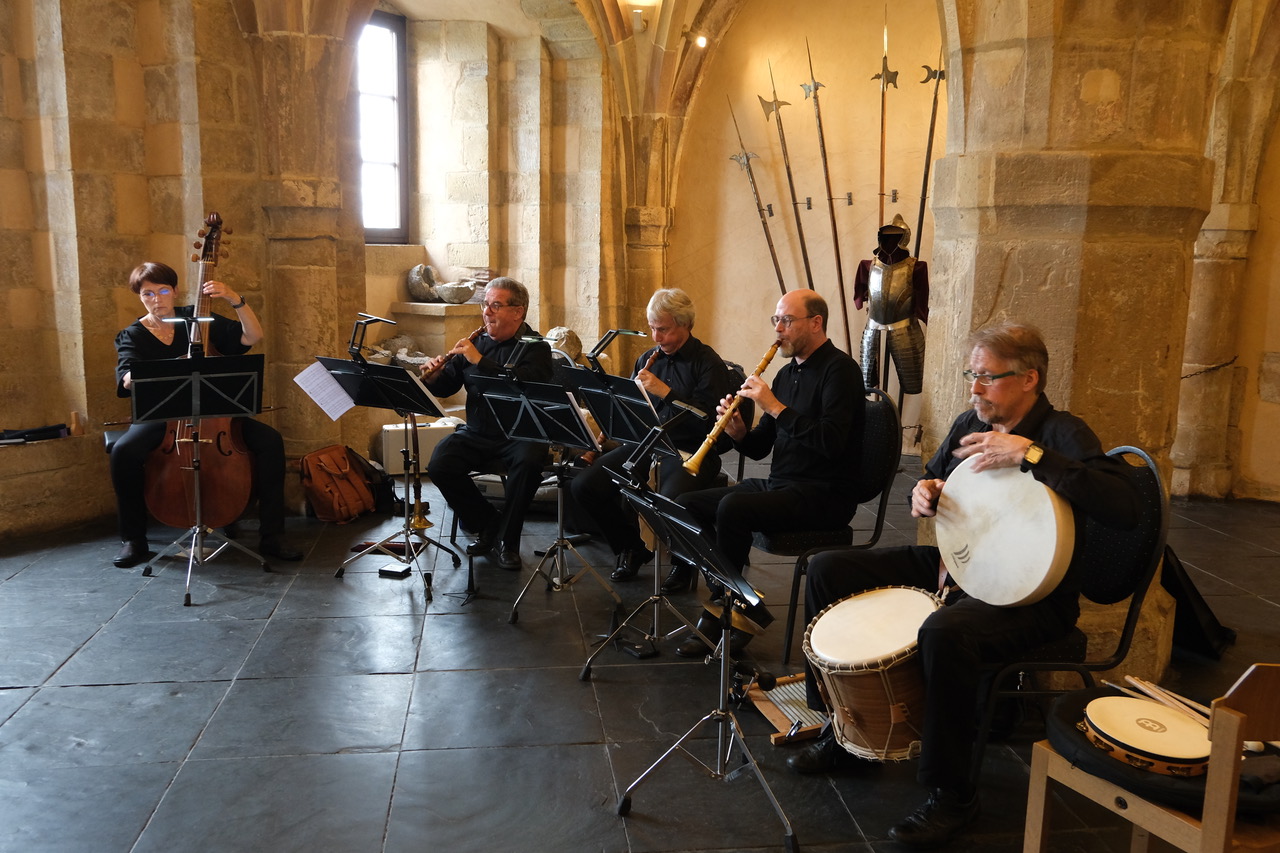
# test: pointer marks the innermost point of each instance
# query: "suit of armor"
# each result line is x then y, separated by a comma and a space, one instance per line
893, 311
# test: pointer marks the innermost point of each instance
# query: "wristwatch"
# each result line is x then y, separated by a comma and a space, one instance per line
238, 305
1032, 457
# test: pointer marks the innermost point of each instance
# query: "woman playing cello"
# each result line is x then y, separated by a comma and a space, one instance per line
150, 338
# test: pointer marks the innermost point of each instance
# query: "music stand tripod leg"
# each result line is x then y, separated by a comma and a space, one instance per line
555, 552
728, 735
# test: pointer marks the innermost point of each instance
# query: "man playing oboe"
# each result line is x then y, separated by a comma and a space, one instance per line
811, 419
680, 369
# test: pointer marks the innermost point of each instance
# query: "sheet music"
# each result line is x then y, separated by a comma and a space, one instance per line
321, 387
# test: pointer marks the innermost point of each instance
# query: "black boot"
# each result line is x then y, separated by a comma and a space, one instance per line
938, 821
820, 756
681, 577
629, 563
132, 552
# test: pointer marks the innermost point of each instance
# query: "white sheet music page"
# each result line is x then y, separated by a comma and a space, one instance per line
324, 390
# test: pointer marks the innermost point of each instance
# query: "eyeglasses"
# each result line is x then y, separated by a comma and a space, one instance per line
986, 378
497, 306
152, 294
786, 319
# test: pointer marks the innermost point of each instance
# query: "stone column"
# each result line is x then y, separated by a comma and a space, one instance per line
314, 279
1208, 411
1074, 203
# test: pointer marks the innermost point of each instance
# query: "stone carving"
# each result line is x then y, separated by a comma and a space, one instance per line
456, 292
421, 282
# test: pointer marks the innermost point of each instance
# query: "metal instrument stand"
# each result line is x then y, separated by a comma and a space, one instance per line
557, 579
729, 734
193, 389
195, 537
644, 502
408, 550
385, 386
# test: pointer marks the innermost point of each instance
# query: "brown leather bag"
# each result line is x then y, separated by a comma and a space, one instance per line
336, 482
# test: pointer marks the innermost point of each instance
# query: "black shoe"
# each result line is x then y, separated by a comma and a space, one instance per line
681, 577
937, 821
629, 562
507, 558
710, 627
274, 546
131, 553
483, 543
820, 756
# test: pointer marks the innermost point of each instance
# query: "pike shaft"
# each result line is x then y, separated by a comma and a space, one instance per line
744, 160
831, 209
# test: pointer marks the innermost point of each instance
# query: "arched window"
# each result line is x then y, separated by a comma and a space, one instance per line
384, 129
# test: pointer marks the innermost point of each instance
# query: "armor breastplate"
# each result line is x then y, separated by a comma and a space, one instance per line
890, 291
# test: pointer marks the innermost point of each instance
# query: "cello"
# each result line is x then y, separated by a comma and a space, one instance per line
224, 463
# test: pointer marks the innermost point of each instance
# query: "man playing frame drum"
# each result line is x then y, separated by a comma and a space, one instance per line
1012, 425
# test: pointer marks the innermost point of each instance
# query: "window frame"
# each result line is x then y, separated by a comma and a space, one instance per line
398, 27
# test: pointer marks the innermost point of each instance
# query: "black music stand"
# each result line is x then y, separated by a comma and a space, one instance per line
193, 389
386, 386
545, 414
627, 415
688, 541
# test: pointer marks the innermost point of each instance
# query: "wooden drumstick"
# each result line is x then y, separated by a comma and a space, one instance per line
1169, 699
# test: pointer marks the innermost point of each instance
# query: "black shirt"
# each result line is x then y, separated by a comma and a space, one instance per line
1074, 465
698, 377
534, 366
817, 438
136, 343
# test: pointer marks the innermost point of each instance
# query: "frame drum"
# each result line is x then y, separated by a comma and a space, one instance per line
1147, 735
863, 649
1005, 537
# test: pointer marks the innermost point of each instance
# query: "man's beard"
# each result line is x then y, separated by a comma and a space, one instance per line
985, 411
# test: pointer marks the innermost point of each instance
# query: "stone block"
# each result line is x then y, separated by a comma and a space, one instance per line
468, 254
466, 41
132, 200
1269, 378
468, 187
164, 143
1152, 644
94, 26
163, 93
471, 102
105, 147
129, 95
15, 189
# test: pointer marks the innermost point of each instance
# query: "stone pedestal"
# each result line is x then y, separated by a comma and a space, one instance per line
434, 326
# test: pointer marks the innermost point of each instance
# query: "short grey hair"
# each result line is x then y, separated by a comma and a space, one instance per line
1017, 343
673, 301
519, 293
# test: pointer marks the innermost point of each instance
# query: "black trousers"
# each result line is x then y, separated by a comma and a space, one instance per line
731, 514
129, 455
595, 492
954, 642
458, 455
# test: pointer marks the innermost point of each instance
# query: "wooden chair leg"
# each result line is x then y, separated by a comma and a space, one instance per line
1035, 838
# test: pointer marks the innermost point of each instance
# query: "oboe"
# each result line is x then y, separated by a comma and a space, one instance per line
695, 461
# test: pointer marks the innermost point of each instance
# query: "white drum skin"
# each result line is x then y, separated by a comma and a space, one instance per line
1147, 735
1005, 537
863, 650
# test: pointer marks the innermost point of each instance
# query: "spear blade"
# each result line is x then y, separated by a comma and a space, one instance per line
743, 159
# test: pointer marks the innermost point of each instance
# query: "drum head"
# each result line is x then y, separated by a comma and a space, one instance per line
871, 626
1005, 537
1148, 728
